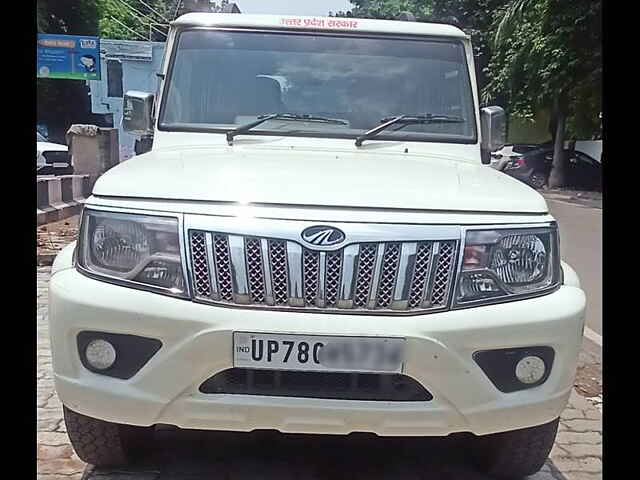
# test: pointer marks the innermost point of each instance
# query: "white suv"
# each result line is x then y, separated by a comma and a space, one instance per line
313, 245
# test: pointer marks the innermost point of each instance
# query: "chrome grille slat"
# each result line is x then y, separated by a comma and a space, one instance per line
407, 257
266, 265
348, 276
376, 276
322, 280
393, 277
238, 266
212, 276
294, 274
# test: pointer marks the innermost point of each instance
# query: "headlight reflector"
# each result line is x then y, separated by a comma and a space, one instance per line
139, 250
508, 262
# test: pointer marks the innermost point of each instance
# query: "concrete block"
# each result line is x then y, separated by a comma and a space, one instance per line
43, 193
66, 184
78, 193
55, 191
60, 197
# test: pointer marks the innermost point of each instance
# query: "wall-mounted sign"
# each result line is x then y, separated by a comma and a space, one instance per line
68, 56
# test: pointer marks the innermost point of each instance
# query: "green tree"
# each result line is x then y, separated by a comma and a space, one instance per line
70, 17
548, 54
136, 19
389, 9
475, 17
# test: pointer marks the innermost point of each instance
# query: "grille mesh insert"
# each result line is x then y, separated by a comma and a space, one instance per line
443, 274
311, 273
253, 254
332, 278
366, 264
420, 274
223, 266
278, 262
389, 274
201, 280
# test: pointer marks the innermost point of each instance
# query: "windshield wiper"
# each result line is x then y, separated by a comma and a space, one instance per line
405, 120
281, 116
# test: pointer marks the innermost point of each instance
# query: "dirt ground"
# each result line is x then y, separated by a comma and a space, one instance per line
52, 237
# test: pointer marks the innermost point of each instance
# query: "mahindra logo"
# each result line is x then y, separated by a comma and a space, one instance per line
322, 235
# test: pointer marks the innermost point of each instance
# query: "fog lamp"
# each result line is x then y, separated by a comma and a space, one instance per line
100, 354
530, 369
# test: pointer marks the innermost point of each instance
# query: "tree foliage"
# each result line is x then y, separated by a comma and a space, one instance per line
136, 19
530, 55
548, 53
475, 17
70, 17
389, 9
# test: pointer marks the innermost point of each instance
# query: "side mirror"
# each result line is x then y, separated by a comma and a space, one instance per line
137, 115
493, 128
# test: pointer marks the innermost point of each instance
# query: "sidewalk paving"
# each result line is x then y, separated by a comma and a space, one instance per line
186, 455
575, 197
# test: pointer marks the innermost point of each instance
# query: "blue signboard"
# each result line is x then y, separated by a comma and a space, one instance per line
68, 56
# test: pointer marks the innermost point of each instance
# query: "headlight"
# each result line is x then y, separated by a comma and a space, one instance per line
137, 250
501, 264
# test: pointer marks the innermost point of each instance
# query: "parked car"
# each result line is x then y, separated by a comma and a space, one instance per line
510, 152
534, 167
296, 253
52, 158
501, 158
523, 148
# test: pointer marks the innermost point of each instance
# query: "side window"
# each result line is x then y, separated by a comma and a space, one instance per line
114, 78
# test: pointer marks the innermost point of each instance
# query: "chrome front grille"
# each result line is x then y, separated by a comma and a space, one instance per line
407, 276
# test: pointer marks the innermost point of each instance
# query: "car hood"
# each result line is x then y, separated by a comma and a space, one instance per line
319, 178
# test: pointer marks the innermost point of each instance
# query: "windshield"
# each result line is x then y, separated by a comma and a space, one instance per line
40, 138
222, 79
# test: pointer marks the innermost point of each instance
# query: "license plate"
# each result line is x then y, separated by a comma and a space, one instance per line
318, 353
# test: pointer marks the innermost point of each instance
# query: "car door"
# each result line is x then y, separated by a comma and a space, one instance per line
584, 171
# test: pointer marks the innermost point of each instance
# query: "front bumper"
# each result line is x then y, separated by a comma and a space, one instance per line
196, 343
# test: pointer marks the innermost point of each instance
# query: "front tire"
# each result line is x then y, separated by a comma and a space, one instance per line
106, 444
537, 180
515, 454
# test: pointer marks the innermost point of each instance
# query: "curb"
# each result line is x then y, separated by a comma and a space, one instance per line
574, 200
61, 197
46, 259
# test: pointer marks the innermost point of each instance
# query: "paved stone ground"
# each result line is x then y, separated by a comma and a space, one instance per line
196, 455
575, 197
